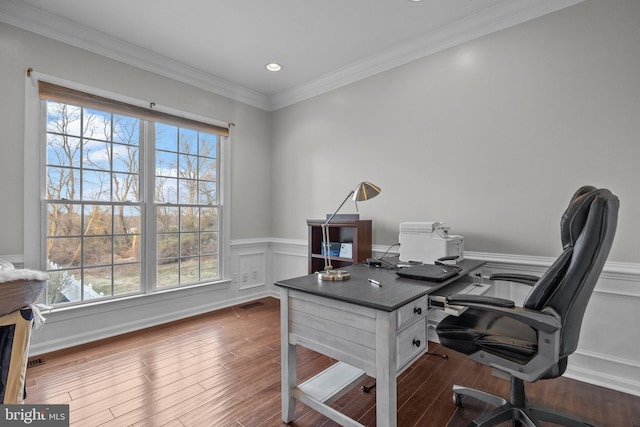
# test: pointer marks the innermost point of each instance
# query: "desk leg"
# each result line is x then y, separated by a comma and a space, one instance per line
386, 362
288, 360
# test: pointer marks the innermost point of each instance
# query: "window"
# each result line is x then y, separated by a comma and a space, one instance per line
186, 205
130, 196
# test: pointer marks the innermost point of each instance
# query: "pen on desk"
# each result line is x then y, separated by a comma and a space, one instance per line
375, 282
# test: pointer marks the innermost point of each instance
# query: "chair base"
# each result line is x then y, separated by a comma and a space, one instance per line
515, 409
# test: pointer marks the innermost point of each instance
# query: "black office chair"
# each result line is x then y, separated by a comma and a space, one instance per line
533, 342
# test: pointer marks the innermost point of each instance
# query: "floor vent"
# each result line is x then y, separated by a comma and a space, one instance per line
35, 362
251, 305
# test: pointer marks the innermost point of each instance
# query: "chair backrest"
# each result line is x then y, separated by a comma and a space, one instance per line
587, 229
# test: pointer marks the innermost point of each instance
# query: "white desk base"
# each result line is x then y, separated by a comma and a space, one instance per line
371, 342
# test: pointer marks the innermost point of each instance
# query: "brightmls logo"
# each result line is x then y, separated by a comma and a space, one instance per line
34, 415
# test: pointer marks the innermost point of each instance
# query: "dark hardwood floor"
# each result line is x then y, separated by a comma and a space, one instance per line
223, 369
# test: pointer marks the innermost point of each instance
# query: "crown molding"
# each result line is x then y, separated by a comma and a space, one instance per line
504, 15
57, 28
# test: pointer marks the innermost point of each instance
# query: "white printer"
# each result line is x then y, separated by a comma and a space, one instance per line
427, 241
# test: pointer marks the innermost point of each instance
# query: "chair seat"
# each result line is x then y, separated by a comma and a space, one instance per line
476, 330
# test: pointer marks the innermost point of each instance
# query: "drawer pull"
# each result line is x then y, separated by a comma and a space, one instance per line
416, 343
417, 311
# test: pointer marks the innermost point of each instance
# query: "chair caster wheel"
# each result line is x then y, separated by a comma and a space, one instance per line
457, 399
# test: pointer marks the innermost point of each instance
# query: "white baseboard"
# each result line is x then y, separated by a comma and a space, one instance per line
84, 336
605, 371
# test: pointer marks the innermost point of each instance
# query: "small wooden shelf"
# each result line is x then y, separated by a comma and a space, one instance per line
357, 232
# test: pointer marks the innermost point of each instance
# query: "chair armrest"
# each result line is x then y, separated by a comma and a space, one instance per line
525, 279
547, 320
462, 299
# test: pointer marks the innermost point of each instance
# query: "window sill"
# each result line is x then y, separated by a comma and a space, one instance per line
107, 304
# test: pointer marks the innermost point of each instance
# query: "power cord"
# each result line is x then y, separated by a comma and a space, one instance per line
377, 262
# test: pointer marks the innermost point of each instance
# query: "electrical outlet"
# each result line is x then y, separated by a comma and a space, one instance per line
234, 277
254, 275
245, 276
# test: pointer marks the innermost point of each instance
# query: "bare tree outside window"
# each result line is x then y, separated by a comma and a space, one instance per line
96, 211
93, 188
185, 170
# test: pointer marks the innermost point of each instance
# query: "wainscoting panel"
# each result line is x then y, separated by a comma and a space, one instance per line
607, 355
289, 259
252, 266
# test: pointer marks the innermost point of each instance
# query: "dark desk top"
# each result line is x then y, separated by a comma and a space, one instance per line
395, 292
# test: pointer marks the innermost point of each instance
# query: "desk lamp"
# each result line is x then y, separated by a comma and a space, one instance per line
363, 191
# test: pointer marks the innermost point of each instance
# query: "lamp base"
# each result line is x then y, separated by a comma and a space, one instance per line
333, 275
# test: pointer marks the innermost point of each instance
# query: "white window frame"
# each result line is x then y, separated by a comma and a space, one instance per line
35, 192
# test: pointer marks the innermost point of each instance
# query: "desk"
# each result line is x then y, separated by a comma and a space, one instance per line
371, 330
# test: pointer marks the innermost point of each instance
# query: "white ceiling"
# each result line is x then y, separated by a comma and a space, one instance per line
223, 45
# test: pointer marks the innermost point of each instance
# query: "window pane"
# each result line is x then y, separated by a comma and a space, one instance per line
126, 129
208, 243
96, 124
126, 248
125, 187
189, 219
97, 220
96, 185
127, 220
188, 141
168, 272
166, 164
97, 282
167, 219
125, 158
209, 219
97, 250
63, 219
208, 145
63, 118
207, 193
188, 166
208, 267
96, 155
168, 246
63, 150
189, 244
188, 191
63, 183
63, 287
166, 137
64, 252
126, 278
189, 270
166, 190
207, 169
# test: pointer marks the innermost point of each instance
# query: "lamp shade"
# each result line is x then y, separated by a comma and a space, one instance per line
365, 191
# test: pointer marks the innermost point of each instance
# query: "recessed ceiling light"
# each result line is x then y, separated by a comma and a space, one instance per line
273, 66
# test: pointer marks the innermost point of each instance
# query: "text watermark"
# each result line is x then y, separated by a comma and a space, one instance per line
34, 415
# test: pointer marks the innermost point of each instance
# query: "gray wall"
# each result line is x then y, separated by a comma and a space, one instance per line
21, 49
492, 137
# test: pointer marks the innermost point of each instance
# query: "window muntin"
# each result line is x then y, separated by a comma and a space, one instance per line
93, 203
96, 210
186, 189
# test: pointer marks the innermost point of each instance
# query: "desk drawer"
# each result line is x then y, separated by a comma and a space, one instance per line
411, 342
414, 310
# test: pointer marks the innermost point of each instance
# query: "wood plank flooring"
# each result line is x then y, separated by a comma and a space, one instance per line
223, 369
